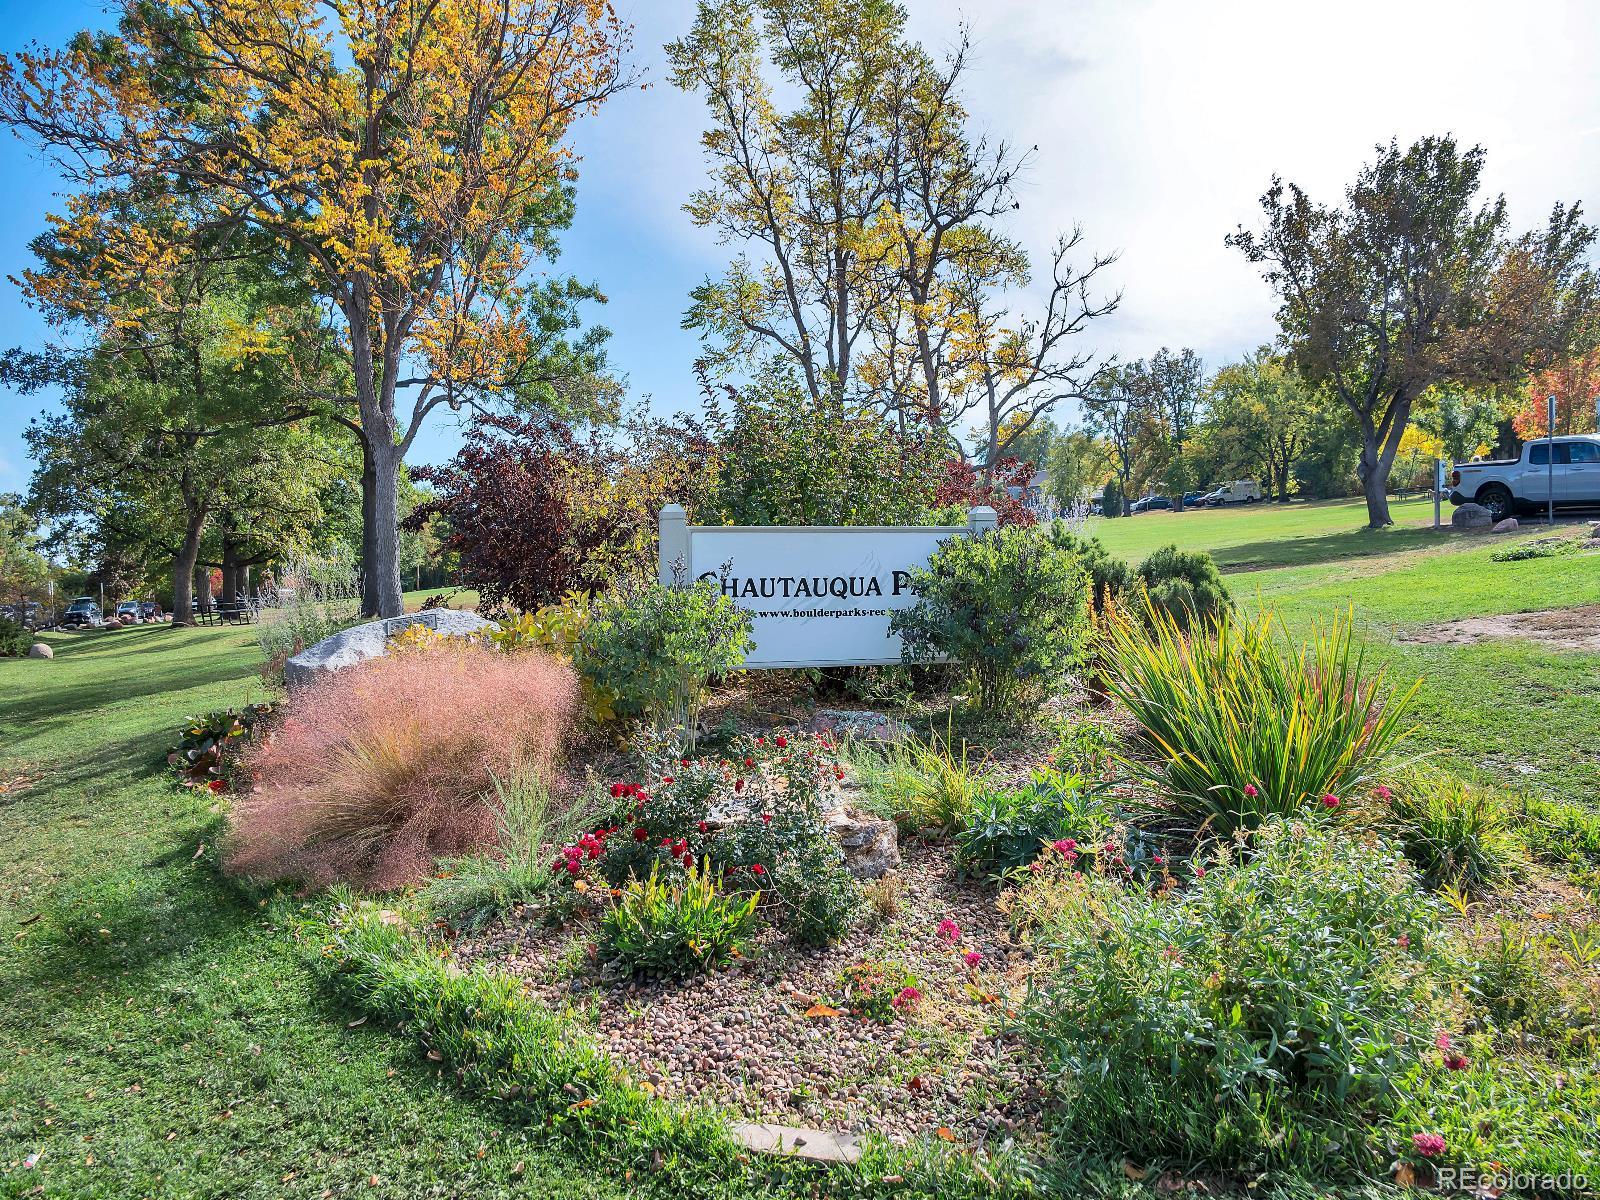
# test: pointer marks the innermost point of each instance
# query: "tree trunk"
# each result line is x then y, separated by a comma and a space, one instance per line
369, 492
230, 567
183, 570
380, 559
1374, 481
202, 586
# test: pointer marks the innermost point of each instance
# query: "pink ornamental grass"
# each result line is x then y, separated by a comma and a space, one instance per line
387, 766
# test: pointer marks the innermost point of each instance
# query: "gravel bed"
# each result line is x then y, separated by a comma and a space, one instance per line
742, 1038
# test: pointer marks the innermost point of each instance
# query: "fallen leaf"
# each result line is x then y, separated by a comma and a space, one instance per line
588, 1102
1541, 916
435, 1056
944, 1132
1133, 1172
353, 1024
822, 1010
199, 852
1405, 1175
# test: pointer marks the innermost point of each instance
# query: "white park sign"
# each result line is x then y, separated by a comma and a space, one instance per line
818, 596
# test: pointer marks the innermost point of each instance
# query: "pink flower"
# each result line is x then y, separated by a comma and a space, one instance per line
1199, 872
905, 996
1250, 790
949, 931
1442, 1040
1383, 793
1330, 801
1429, 1145
1157, 859
1455, 1062
972, 958
1403, 940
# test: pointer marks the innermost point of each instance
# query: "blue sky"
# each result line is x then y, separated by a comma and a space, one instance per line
1157, 122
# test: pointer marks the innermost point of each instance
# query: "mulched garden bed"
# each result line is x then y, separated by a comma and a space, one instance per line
772, 1038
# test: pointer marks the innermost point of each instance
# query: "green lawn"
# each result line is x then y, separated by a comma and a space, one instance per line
157, 1035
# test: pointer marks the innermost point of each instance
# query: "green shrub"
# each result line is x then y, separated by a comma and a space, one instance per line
1559, 832
1238, 723
476, 888
1184, 585
1454, 832
1009, 607
820, 899
207, 751
656, 647
1257, 1019
919, 785
15, 639
877, 991
318, 598
1009, 827
665, 928
1110, 578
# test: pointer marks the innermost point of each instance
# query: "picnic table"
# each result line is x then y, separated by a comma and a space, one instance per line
229, 612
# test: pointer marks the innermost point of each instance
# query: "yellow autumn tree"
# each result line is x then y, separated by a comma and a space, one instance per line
409, 158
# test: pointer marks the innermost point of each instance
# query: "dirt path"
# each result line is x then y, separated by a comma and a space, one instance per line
1560, 628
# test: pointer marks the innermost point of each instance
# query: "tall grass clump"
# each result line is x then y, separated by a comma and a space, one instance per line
920, 785
317, 597
389, 765
529, 824
1260, 1018
1456, 833
1239, 723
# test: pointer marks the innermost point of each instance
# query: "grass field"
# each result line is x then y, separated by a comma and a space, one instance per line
159, 1037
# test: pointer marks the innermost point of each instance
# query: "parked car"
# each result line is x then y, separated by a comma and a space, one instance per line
84, 612
129, 612
151, 611
1192, 499
1239, 491
1505, 486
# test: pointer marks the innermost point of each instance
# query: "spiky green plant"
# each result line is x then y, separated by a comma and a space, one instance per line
1240, 723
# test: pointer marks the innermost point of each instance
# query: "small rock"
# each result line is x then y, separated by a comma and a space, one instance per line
40, 650
1506, 526
861, 724
1471, 517
871, 845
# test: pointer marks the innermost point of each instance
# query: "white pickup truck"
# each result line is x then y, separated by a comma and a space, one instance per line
1505, 486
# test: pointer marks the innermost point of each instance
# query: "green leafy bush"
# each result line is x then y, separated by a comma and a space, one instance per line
14, 638
1454, 832
784, 460
1238, 723
656, 647
1184, 585
876, 991
1259, 1018
667, 928
1109, 577
1009, 607
207, 751
1010, 827
820, 899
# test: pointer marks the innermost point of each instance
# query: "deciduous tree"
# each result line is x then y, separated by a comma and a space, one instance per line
1412, 283
409, 160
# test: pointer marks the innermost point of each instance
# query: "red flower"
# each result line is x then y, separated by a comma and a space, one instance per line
640, 834
738, 785
758, 869
748, 761
1330, 801
666, 779
1199, 872
781, 741
1455, 1062
1250, 790
574, 866
766, 818
1429, 1145
972, 958
218, 785
704, 827
617, 791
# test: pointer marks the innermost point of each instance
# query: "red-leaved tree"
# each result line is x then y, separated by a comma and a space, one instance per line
533, 510
963, 484
1575, 383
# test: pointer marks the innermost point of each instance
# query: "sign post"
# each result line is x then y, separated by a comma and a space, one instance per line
1438, 489
818, 596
